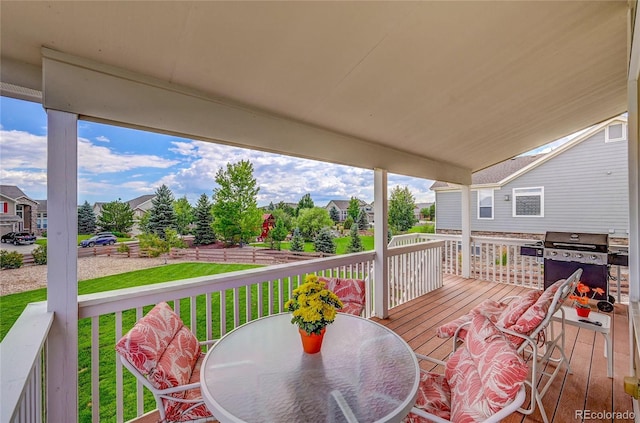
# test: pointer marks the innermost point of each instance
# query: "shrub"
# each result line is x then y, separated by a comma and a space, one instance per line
10, 260
40, 254
348, 222
123, 248
324, 242
119, 234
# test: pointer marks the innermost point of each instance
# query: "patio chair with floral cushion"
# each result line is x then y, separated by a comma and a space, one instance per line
483, 380
525, 320
350, 291
162, 353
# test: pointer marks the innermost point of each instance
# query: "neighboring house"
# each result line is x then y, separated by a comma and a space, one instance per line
17, 210
139, 205
579, 187
343, 206
41, 217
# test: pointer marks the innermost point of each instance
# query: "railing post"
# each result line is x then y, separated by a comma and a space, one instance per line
466, 231
381, 267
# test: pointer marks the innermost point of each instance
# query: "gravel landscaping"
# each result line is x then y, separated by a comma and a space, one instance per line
33, 277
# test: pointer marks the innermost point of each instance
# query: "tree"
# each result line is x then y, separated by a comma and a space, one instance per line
401, 207
235, 210
310, 221
297, 242
354, 208
204, 234
287, 220
432, 211
286, 208
162, 215
334, 214
363, 221
305, 203
86, 219
116, 216
348, 222
278, 234
184, 215
426, 213
355, 243
324, 241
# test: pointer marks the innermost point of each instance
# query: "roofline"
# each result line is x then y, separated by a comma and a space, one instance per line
546, 157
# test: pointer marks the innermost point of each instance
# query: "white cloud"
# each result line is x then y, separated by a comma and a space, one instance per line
100, 159
102, 138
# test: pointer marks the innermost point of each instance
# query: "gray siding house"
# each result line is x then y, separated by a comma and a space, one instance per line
579, 187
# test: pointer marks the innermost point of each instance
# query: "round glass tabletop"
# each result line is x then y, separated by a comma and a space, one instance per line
259, 373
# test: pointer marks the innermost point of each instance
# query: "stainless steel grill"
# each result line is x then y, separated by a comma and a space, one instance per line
565, 252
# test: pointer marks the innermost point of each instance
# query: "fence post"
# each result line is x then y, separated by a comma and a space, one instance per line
197, 254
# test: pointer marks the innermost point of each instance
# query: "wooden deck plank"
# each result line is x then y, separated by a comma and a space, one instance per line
587, 388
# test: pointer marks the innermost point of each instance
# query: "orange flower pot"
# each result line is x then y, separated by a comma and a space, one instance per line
583, 311
312, 343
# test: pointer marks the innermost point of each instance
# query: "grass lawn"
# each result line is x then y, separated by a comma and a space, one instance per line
13, 305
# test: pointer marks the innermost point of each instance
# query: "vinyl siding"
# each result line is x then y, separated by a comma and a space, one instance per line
585, 190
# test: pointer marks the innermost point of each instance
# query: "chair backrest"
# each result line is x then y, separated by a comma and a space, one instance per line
160, 348
486, 374
350, 291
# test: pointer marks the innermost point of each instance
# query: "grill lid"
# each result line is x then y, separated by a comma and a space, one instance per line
577, 241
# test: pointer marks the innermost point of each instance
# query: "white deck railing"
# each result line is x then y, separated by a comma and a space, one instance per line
22, 367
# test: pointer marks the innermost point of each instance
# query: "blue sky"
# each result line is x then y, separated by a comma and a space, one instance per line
116, 162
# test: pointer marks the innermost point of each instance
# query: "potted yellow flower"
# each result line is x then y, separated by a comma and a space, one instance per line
313, 307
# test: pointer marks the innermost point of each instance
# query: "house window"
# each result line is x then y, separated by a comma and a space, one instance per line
4, 207
528, 202
41, 222
485, 204
616, 132
19, 210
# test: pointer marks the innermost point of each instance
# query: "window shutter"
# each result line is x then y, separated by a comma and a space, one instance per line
6, 207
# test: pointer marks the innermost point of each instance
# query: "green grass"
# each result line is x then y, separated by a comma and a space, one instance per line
13, 305
427, 228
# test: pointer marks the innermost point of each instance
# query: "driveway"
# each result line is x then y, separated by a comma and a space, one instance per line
24, 249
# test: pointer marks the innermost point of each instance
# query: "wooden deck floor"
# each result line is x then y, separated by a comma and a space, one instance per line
587, 388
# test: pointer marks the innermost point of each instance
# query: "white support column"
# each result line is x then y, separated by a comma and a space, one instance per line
62, 264
634, 191
466, 230
381, 228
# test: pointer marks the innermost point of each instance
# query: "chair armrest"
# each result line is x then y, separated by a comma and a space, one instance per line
209, 342
456, 339
179, 388
430, 359
510, 298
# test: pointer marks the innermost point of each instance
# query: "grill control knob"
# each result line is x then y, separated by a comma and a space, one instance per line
565, 254
578, 255
553, 253
593, 257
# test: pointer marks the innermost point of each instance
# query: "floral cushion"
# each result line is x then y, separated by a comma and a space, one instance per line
516, 308
350, 291
181, 411
490, 308
486, 375
161, 348
434, 397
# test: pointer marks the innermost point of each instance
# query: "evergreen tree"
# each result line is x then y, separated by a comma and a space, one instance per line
401, 207
86, 219
278, 233
162, 215
184, 215
116, 216
286, 208
363, 221
204, 234
297, 242
334, 214
355, 243
235, 210
324, 242
354, 209
305, 203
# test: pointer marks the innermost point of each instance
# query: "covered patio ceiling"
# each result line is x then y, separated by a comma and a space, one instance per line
428, 89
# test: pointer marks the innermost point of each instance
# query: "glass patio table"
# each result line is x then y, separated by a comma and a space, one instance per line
259, 373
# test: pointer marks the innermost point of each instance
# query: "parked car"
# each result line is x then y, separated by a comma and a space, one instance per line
18, 238
104, 239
